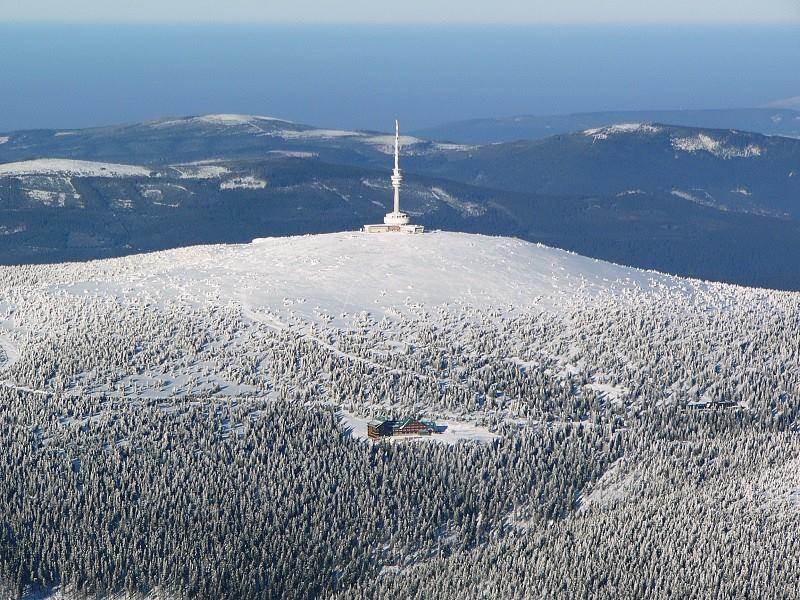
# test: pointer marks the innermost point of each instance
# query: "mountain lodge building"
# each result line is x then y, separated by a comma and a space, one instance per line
383, 427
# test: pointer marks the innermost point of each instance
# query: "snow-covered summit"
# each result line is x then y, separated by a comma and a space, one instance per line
225, 314
236, 119
351, 272
283, 129
603, 133
217, 119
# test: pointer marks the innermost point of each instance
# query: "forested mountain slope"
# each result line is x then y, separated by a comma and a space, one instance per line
181, 418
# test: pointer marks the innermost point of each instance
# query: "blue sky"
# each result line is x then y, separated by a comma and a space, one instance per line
403, 11
362, 76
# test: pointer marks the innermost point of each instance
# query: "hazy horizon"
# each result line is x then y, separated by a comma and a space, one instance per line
69, 76
411, 11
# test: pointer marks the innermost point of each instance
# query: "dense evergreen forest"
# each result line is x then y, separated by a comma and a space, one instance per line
174, 442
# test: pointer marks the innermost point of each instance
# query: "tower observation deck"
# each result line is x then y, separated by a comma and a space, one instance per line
395, 220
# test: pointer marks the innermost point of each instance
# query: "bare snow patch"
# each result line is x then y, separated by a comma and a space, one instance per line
455, 147
466, 208
243, 183
742, 191
375, 184
293, 153
4, 139
200, 171
152, 193
49, 198
413, 145
705, 199
685, 196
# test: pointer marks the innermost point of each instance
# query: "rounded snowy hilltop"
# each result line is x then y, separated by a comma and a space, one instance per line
394, 290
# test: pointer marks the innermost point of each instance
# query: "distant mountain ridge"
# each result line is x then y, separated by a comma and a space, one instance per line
725, 169
714, 204
769, 121
186, 139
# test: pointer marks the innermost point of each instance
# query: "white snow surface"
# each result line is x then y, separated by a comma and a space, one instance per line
454, 431
609, 391
447, 147
293, 153
612, 487
316, 134
382, 143
4, 139
200, 171
466, 208
385, 143
232, 119
228, 120
243, 183
705, 143
685, 195
271, 126
57, 593
74, 168
374, 301
382, 274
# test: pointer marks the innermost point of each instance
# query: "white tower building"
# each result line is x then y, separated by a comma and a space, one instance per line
395, 220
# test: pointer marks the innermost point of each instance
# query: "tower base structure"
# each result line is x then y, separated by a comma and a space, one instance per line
394, 221
385, 228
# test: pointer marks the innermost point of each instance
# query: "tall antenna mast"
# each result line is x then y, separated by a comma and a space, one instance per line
397, 178
395, 220
396, 145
